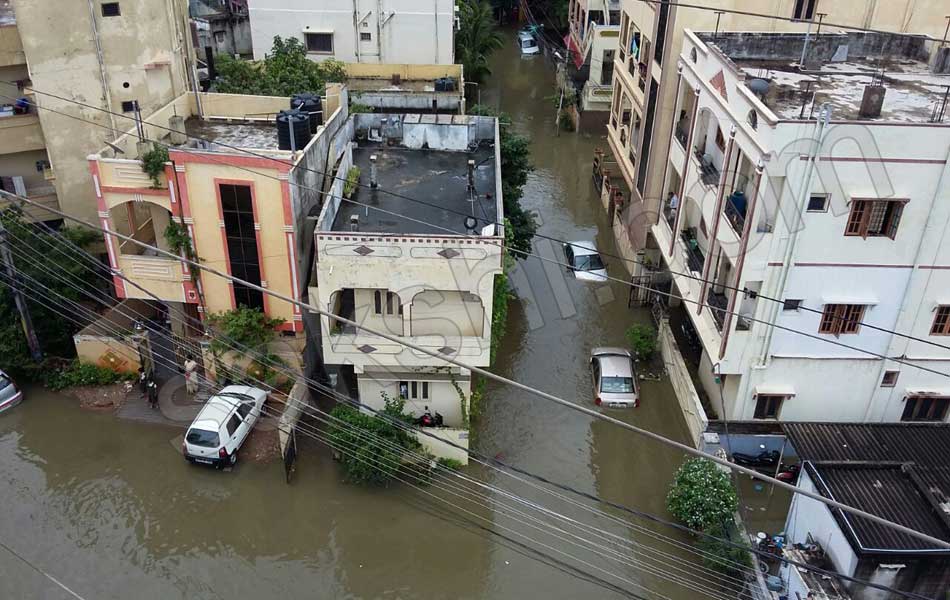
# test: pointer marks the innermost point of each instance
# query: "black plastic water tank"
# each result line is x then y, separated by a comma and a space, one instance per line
312, 104
300, 122
448, 84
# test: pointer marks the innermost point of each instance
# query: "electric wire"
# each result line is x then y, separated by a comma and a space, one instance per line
118, 332
268, 361
700, 302
488, 374
503, 508
41, 571
583, 494
685, 274
898, 360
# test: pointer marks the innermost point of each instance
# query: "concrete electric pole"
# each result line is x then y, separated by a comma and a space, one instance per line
32, 341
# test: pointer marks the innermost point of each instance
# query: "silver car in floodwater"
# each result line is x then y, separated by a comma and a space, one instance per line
10, 394
614, 378
584, 261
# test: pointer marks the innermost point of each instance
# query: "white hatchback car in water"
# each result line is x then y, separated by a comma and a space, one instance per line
584, 261
218, 431
614, 378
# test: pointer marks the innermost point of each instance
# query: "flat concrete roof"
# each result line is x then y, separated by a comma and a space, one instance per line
911, 89
438, 179
838, 67
6, 13
241, 134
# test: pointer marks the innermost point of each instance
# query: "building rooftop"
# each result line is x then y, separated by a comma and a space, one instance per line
897, 471
839, 68
6, 13
241, 134
824, 587
438, 179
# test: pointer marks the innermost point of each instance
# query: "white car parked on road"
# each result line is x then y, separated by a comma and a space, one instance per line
222, 426
584, 261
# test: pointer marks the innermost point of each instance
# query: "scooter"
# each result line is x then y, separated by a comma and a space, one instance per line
764, 459
788, 473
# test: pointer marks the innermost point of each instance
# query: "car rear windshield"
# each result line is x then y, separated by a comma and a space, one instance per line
617, 385
590, 262
202, 437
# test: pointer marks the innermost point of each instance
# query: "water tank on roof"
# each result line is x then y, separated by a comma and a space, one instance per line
296, 121
759, 87
311, 104
445, 84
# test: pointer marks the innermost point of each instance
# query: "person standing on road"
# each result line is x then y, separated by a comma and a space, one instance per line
191, 375
152, 393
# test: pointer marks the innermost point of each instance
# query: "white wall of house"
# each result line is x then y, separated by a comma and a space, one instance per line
439, 393
901, 281
811, 517
373, 31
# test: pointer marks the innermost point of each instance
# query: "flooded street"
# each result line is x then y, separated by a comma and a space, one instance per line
110, 509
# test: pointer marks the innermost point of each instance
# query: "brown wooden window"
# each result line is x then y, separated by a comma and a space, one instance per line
841, 318
767, 406
890, 378
874, 218
925, 408
941, 324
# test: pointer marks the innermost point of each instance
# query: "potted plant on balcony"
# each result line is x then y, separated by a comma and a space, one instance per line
153, 164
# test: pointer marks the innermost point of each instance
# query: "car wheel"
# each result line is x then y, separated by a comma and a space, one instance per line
233, 458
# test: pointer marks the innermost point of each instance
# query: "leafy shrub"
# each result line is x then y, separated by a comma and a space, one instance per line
153, 163
359, 107
702, 495
285, 71
352, 180
720, 556
78, 373
642, 340
241, 327
371, 448
450, 463
177, 238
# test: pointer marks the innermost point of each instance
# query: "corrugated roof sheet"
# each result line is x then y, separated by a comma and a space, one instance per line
895, 470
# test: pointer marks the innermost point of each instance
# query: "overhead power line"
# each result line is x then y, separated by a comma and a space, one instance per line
488, 374
432, 205
491, 463
722, 311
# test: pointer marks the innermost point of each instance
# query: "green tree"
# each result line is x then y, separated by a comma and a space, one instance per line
702, 495
44, 260
371, 448
476, 39
285, 71
515, 166
247, 332
642, 340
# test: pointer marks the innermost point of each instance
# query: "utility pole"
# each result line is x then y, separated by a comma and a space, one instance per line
32, 341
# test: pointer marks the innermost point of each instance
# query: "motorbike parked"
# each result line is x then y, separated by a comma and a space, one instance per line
763, 460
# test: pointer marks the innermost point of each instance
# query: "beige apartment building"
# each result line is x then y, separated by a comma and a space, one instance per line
110, 55
646, 81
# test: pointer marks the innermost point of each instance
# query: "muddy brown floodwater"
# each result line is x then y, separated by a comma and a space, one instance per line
109, 508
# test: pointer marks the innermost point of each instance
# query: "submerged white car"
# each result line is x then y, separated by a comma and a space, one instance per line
584, 261
218, 431
528, 44
614, 378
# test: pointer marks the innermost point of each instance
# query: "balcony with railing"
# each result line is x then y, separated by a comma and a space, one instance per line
718, 304
695, 258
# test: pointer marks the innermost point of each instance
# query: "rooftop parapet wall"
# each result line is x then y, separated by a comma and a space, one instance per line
752, 45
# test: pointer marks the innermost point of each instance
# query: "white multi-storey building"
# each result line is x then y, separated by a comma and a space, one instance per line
592, 41
413, 254
370, 31
825, 187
